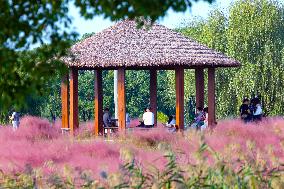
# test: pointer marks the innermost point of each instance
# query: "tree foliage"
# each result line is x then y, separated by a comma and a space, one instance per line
26, 24
253, 34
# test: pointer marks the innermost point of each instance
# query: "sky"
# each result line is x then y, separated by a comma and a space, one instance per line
171, 20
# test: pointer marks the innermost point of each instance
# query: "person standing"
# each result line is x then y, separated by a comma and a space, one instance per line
127, 119
15, 118
148, 118
106, 118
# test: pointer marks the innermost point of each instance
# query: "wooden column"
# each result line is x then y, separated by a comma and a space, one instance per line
211, 97
121, 98
98, 111
153, 93
74, 121
64, 101
179, 76
199, 87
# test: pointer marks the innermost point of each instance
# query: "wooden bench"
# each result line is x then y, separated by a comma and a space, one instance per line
109, 130
131, 129
65, 130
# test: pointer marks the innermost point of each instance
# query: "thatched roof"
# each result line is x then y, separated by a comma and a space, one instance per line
125, 45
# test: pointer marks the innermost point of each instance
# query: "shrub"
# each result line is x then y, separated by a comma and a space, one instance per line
161, 117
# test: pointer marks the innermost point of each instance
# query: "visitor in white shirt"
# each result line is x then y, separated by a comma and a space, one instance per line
257, 114
148, 118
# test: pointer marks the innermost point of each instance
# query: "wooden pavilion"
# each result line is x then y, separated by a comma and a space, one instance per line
126, 47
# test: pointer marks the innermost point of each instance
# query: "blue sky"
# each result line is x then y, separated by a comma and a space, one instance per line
172, 20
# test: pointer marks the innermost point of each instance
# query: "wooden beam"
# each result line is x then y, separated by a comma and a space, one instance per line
74, 121
64, 101
98, 110
121, 98
211, 97
199, 87
179, 76
153, 93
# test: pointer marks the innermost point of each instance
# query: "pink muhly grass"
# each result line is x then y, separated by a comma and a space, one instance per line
185, 153
37, 128
57, 123
134, 122
86, 130
40, 144
152, 136
259, 135
154, 159
94, 155
20, 153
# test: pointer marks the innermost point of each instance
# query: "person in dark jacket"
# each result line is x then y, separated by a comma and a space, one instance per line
245, 112
106, 118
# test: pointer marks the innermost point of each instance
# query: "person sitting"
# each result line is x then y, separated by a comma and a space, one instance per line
148, 118
257, 114
107, 118
141, 122
199, 118
245, 111
171, 124
205, 124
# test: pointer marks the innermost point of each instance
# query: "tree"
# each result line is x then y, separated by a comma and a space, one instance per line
29, 23
86, 94
253, 34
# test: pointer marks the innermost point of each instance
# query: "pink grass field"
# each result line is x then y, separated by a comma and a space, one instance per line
40, 144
